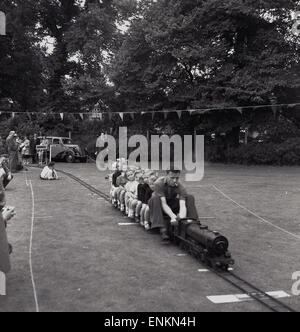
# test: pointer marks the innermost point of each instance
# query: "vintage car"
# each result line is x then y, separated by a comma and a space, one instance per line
62, 149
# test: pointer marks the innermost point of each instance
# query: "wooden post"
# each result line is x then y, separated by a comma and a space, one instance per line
50, 154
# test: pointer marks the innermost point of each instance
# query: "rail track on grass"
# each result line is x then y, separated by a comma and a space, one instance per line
241, 284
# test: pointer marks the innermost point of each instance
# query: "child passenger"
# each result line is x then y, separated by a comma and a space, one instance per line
148, 191
131, 192
49, 172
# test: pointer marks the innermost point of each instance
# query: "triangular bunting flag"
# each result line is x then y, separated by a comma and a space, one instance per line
61, 115
13, 114
143, 113
179, 113
81, 115
122, 116
191, 111
132, 115
239, 109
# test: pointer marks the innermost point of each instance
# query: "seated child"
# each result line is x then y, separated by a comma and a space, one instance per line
131, 192
114, 185
120, 191
49, 172
148, 188
135, 204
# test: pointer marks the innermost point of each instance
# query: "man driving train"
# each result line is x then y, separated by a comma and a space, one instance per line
170, 202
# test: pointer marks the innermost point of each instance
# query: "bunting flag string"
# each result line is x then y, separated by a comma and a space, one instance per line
179, 113
100, 115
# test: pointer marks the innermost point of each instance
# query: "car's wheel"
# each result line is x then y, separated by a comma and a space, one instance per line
70, 158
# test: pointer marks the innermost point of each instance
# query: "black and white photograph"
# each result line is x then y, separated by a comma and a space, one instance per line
149, 158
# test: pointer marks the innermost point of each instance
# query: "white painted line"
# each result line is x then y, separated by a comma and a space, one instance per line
2, 284
257, 216
206, 270
237, 298
26, 180
223, 299
128, 224
181, 255
30, 249
279, 294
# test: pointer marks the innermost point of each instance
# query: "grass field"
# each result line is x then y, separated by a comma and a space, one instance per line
70, 254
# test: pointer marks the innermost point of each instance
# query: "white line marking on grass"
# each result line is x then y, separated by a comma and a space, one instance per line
257, 216
238, 298
26, 180
127, 224
30, 249
206, 270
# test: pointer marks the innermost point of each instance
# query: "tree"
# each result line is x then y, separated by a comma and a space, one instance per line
197, 53
20, 57
92, 40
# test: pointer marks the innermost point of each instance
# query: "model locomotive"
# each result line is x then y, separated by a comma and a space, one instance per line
209, 246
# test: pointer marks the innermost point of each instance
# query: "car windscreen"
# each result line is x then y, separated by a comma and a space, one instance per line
66, 141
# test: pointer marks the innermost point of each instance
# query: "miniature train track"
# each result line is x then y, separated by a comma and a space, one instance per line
86, 185
254, 292
241, 284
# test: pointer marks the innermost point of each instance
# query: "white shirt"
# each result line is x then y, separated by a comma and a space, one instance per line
49, 174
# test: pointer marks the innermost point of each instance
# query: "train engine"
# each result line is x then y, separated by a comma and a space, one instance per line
209, 246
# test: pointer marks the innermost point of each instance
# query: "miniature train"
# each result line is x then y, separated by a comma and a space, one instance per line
209, 246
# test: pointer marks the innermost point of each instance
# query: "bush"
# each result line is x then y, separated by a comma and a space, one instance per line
286, 153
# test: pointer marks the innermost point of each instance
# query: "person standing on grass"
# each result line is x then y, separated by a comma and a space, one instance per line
6, 213
12, 148
25, 151
33, 144
4, 248
5, 174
